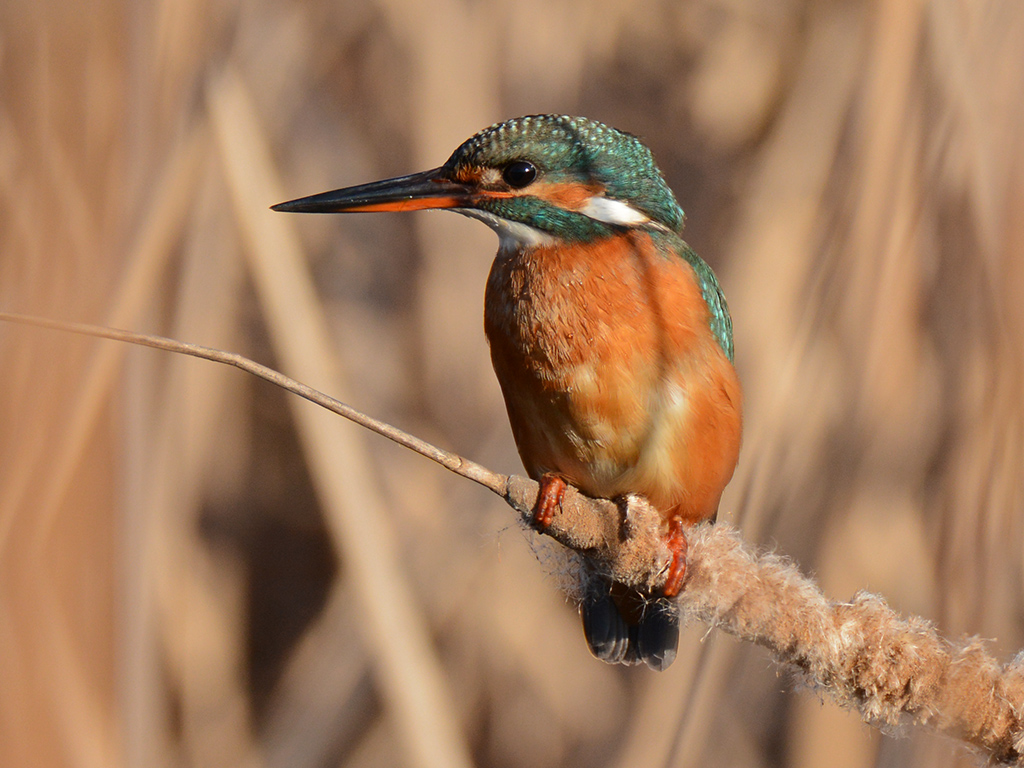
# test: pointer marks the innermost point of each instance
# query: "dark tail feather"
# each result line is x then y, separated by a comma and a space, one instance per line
606, 631
629, 628
657, 634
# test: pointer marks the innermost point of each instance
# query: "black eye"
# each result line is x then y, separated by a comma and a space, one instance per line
519, 174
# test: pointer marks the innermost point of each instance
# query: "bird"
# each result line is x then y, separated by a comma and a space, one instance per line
610, 338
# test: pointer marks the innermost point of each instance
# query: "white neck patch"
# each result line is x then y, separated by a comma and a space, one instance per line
615, 212
511, 234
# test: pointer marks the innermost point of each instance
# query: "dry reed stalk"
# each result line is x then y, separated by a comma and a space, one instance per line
451, 266
148, 259
861, 653
178, 589
774, 243
321, 690
397, 634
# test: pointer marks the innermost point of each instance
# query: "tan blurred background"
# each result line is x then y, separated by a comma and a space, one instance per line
197, 571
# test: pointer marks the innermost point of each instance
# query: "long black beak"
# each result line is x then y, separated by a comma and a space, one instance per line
405, 193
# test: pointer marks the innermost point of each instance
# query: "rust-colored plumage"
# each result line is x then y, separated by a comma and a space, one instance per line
611, 374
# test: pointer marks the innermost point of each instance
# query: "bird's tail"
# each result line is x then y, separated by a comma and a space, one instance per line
623, 626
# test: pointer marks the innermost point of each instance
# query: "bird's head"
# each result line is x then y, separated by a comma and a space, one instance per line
532, 179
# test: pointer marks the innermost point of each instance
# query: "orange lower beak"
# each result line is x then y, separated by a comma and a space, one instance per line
405, 193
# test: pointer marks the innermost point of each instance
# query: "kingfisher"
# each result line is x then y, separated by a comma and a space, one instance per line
610, 338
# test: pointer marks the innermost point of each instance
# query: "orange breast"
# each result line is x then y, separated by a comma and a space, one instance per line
611, 374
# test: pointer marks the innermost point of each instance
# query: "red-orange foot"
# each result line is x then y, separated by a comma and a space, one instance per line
549, 499
676, 541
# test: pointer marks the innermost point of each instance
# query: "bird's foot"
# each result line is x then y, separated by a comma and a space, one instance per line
676, 541
549, 499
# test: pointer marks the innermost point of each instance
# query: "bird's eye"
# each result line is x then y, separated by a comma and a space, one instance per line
519, 174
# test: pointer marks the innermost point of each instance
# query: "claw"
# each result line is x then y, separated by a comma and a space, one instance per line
676, 541
549, 499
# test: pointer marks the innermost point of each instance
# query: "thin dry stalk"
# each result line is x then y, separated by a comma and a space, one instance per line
397, 635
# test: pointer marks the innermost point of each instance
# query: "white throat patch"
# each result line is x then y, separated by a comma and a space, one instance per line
511, 234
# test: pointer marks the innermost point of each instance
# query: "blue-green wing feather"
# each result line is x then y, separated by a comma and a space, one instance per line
718, 309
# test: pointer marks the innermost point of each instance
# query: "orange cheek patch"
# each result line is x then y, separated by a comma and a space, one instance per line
569, 196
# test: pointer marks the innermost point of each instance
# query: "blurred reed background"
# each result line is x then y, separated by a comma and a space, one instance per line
196, 570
